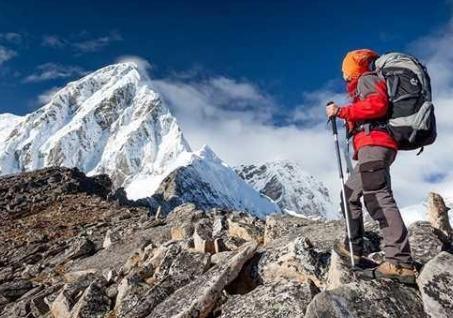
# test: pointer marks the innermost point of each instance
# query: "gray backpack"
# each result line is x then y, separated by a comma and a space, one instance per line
411, 119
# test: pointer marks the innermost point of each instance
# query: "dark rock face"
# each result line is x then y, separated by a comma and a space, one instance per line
31, 191
83, 252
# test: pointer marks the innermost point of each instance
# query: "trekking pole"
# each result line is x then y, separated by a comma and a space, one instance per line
347, 215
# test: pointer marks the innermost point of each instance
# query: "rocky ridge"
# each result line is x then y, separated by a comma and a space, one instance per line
70, 247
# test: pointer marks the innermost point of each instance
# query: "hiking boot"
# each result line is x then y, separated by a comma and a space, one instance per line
402, 274
344, 253
360, 261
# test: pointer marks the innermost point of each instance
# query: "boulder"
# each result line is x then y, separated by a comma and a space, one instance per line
339, 272
202, 237
198, 298
15, 289
438, 215
111, 237
367, 299
280, 225
175, 268
80, 247
94, 303
253, 230
63, 304
435, 283
296, 259
424, 242
277, 299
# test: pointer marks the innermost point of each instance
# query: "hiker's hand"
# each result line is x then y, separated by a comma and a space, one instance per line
332, 110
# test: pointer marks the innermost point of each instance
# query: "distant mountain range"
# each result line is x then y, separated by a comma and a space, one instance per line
112, 122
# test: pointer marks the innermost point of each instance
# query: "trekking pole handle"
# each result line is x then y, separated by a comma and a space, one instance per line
333, 120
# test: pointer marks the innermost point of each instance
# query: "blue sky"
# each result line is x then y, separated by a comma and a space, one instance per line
249, 78
286, 48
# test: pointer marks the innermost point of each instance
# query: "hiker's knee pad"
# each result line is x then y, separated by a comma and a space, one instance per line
373, 175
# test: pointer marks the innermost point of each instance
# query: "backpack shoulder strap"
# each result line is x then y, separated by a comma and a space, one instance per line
366, 84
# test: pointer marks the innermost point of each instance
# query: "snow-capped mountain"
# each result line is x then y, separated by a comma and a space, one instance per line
107, 122
207, 181
294, 190
7, 124
112, 122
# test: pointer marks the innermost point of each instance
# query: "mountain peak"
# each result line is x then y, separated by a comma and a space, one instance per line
292, 188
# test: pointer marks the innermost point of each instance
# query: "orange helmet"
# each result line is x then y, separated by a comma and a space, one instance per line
357, 62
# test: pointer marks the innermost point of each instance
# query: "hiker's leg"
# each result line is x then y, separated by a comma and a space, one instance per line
353, 192
374, 169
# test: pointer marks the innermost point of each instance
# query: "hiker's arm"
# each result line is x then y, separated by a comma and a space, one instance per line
373, 105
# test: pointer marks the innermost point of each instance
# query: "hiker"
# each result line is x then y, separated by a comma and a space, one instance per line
375, 149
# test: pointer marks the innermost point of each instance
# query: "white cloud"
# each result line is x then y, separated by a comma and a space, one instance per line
53, 41
235, 118
215, 114
80, 43
47, 95
96, 44
50, 71
11, 37
6, 54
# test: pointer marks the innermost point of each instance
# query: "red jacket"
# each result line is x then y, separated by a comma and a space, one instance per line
370, 101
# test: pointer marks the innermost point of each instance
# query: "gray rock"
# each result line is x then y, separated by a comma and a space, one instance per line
436, 286
175, 268
295, 259
81, 247
70, 294
93, 303
339, 272
273, 300
15, 289
438, 215
424, 242
199, 297
367, 299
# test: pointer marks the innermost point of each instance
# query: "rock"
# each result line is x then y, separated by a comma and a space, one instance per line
435, 283
129, 292
111, 237
277, 299
175, 267
294, 260
367, 299
112, 291
32, 303
15, 289
93, 303
339, 272
280, 225
74, 276
182, 231
246, 231
202, 237
81, 247
109, 275
70, 294
198, 298
438, 215
424, 242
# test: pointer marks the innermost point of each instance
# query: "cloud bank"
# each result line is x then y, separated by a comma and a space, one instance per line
236, 119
